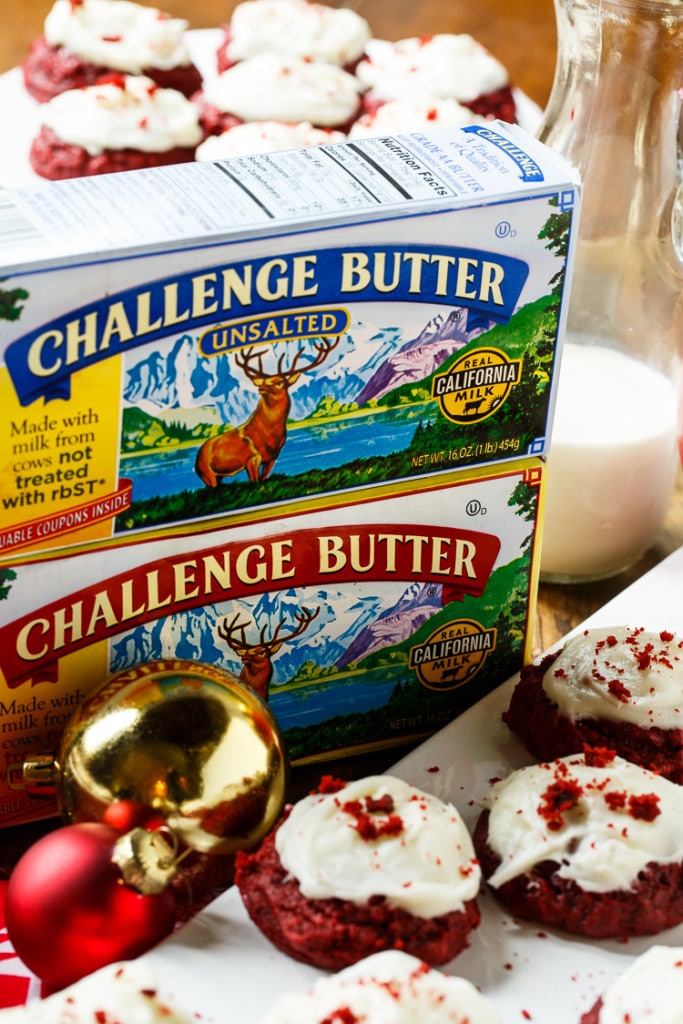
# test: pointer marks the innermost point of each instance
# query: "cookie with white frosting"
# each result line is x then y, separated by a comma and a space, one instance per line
294, 28
650, 991
123, 123
412, 114
123, 992
444, 66
589, 844
85, 39
269, 87
391, 987
617, 687
264, 137
352, 870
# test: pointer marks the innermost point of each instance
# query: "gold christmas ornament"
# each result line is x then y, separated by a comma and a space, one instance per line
183, 738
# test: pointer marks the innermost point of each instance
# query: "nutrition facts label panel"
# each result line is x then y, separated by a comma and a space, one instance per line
315, 181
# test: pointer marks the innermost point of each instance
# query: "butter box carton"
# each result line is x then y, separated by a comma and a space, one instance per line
365, 619
182, 344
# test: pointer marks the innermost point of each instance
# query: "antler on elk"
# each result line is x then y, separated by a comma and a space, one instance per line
257, 667
322, 347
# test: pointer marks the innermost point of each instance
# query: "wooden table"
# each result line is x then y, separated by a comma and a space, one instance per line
521, 33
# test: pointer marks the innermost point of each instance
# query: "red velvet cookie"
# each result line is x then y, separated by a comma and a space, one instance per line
616, 687
122, 123
593, 846
373, 826
49, 70
269, 87
294, 28
86, 39
390, 987
263, 137
443, 66
650, 989
52, 158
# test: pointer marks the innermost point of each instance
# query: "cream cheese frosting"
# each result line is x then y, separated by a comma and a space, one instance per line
651, 990
118, 34
601, 824
127, 112
269, 87
443, 65
264, 137
298, 28
408, 115
120, 992
622, 674
392, 987
381, 836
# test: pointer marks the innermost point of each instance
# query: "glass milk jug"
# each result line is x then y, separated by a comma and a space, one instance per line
615, 113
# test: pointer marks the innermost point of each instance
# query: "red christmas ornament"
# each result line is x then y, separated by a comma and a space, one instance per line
124, 815
69, 911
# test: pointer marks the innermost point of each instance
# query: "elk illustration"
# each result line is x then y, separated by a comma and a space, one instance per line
256, 443
257, 666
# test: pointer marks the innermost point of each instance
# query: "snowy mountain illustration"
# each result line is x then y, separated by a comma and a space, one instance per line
417, 604
175, 376
368, 361
414, 361
347, 626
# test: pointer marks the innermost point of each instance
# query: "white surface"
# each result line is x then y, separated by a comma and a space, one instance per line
221, 967
20, 113
20, 121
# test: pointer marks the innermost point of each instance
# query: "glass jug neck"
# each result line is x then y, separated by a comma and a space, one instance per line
619, 68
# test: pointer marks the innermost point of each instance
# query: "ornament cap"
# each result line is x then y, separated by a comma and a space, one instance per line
40, 774
147, 860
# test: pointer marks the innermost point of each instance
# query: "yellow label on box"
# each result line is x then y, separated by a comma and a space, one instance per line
60, 479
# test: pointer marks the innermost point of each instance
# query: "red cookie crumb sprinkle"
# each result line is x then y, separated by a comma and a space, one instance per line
343, 1015
381, 805
559, 797
598, 757
564, 793
329, 784
370, 827
644, 806
615, 801
618, 690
